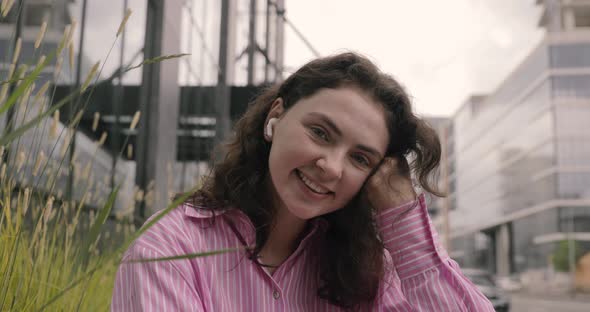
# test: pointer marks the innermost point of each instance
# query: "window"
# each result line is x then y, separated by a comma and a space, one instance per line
36, 14
582, 17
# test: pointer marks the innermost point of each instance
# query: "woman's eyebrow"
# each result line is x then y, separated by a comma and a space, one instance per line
369, 150
336, 130
327, 121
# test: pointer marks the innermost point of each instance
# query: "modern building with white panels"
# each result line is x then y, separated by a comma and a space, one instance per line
519, 158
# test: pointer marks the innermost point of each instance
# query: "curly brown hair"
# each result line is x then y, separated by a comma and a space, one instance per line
351, 260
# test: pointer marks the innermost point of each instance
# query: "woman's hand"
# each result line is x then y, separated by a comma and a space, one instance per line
391, 185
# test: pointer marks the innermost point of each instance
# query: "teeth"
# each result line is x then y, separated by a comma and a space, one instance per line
313, 186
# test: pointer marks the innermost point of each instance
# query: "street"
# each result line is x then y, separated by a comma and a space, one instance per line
532, 304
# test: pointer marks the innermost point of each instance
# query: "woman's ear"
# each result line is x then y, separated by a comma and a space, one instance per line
275, 112
276, 109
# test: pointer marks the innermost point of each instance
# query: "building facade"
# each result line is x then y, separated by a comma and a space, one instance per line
36, 158
519, 160
231, 46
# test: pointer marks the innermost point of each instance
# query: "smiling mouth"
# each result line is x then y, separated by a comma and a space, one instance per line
312, 186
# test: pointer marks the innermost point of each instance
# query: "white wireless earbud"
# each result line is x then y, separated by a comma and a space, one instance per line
271, 123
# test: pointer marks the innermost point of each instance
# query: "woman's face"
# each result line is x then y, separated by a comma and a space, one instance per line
324, 148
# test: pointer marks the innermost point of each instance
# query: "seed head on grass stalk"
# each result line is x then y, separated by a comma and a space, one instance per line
17, 48
48, 210
72, 30
4, 91
95, 121
22, 71
20, 160
81, 276
25, 97
41, 60
54, 123
139, 195
11, 69
6, 6
124, 22
58, 65
86, 172
41, 34
3, 172
49, 182
66, 143
25, 204
65, 39
103, 138
135, 120
61, 171
76, 119
41, 92
89, 77
75, 156
40, 159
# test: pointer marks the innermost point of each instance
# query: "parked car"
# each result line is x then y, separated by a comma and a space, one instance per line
485, 282
509, 283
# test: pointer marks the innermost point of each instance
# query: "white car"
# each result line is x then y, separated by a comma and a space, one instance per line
485, 282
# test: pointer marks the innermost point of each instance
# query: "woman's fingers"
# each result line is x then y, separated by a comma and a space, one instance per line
393, 167
391, 184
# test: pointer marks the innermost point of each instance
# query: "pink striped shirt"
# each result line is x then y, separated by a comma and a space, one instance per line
419, 274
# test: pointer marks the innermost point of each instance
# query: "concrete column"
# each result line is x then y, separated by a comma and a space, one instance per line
252, 43
554, 15
279, 40
159, 104
503, 250
226, 70
569, 20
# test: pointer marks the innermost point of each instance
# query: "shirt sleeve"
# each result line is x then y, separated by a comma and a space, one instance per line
153, 286
418, 268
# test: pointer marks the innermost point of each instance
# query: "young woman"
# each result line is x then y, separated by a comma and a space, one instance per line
315, 184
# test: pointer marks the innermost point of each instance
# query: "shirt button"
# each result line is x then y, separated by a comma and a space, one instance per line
276, 294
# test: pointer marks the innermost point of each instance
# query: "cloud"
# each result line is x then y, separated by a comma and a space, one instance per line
443, 51
102, 21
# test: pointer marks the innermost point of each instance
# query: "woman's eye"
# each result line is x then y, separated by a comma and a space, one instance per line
320, 133
361, 160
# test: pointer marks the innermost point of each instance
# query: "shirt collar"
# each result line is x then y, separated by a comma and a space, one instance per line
242, 221
197, 212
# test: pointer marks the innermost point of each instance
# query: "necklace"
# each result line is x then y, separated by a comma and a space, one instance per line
265, 265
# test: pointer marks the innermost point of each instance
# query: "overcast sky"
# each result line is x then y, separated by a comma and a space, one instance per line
442, 51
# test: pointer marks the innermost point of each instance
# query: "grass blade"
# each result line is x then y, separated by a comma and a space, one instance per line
156, 59
185, 256
102, 216
25, 84
9, 137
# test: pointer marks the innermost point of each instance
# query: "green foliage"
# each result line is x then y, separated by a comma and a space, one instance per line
50, 255
561, 255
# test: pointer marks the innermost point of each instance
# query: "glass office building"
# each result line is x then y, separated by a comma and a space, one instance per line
193, 27
519, 169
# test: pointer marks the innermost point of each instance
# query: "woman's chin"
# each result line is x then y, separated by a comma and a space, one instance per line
304, 213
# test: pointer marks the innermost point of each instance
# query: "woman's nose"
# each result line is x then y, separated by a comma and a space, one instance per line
331, 166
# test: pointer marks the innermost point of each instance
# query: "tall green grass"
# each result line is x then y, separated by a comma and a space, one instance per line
55, 254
